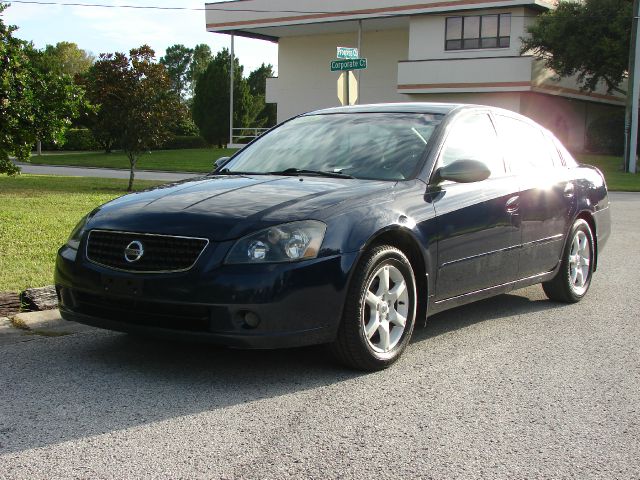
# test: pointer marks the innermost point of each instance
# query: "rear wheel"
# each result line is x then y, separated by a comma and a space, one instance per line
380, 311
574, 277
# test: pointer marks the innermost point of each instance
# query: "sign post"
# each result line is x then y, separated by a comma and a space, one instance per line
348, 60
347, 88
347, 65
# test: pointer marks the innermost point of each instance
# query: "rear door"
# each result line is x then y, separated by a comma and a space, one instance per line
478, 234
547, 193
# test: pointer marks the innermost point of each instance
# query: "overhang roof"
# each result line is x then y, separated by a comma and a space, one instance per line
272, 19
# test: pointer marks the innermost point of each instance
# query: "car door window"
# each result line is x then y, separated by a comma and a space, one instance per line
525, 146
473, 137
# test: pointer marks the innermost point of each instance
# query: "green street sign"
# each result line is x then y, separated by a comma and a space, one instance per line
354, 64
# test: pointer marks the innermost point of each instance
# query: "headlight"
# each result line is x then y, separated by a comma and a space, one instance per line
283, 243
76, 234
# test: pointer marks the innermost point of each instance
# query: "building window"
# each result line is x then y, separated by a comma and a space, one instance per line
478, 31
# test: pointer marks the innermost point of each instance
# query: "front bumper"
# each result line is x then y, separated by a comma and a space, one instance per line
295, 303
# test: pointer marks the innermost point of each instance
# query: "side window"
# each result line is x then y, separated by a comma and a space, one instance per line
473, 138
525, 146
553, 151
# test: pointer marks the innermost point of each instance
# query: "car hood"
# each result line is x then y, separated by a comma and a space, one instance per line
228, 207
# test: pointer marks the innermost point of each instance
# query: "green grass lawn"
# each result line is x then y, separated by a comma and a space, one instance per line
201, 160
611, 168
192, 160
37, 214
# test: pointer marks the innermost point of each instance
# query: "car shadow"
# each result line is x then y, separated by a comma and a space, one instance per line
519, 302
60, 389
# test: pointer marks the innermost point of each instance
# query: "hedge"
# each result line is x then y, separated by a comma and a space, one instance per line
606, 134
75, 139
180, 142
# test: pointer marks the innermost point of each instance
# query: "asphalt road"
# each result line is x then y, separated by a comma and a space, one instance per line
104, 172
512, 387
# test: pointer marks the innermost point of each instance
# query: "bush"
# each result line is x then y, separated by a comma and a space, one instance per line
80, 139
180, 142
606, 134
75, 139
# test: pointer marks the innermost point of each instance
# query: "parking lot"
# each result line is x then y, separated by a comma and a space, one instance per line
511, 387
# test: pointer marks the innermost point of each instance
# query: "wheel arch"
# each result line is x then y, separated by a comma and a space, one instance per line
405, 241
587, 216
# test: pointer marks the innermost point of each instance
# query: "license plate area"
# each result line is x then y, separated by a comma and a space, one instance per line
126, 286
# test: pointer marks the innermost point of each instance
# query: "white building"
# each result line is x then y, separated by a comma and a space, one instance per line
455, 51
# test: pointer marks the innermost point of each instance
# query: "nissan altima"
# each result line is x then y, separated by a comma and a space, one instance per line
345, 227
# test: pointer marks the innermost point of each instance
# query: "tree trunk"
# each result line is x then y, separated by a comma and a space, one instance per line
132, 162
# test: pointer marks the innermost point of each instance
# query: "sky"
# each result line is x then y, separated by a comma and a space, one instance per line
105, 30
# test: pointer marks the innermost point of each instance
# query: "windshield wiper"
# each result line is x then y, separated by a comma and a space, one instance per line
301, 171
226, 171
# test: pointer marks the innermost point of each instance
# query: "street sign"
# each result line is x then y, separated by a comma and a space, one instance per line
347, 88
343, 65
347, 52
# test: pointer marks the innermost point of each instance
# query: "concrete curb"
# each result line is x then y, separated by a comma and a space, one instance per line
10, 334
46, 323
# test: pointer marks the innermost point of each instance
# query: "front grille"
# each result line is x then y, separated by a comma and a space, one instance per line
162, 253
189, 318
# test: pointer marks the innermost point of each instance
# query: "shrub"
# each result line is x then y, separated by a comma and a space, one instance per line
180, 142
80, 139
606, 134
75, 139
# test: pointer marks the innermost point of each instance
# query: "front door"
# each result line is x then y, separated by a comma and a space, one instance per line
478, 223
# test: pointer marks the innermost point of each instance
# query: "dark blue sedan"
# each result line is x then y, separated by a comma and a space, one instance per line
344, 226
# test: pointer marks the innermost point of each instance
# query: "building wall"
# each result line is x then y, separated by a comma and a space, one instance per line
306, 83
427, 34
567, 118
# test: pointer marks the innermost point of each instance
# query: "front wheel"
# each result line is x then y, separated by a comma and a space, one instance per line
380, 311
574, 277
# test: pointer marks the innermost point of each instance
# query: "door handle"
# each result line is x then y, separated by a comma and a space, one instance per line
513, 204
569, 190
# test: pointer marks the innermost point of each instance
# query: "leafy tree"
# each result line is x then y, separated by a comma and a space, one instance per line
67, 58
34, 103
590, 39
136, 106
211, 100
200, 60
178, 59
257, 86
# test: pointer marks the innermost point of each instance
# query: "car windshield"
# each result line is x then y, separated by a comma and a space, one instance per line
379, 146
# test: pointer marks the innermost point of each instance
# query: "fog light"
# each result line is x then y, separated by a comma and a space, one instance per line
251, 320
257, 250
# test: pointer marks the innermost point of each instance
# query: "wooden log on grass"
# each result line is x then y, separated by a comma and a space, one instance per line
9, 304
39, 299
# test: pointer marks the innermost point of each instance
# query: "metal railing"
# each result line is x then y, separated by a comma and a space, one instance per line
242, 136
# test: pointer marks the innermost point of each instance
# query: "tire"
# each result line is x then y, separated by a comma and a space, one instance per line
572, 281
371, 335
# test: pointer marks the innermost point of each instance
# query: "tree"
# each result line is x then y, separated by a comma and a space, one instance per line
67, 58
34, 103
136, 106
200, 60
257, 86
211, 100
590, 39
178, 59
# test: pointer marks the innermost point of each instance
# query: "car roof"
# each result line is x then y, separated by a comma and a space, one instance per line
420, 107
409, 107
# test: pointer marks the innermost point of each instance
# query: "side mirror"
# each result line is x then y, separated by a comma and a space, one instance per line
463, 171
219, 163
